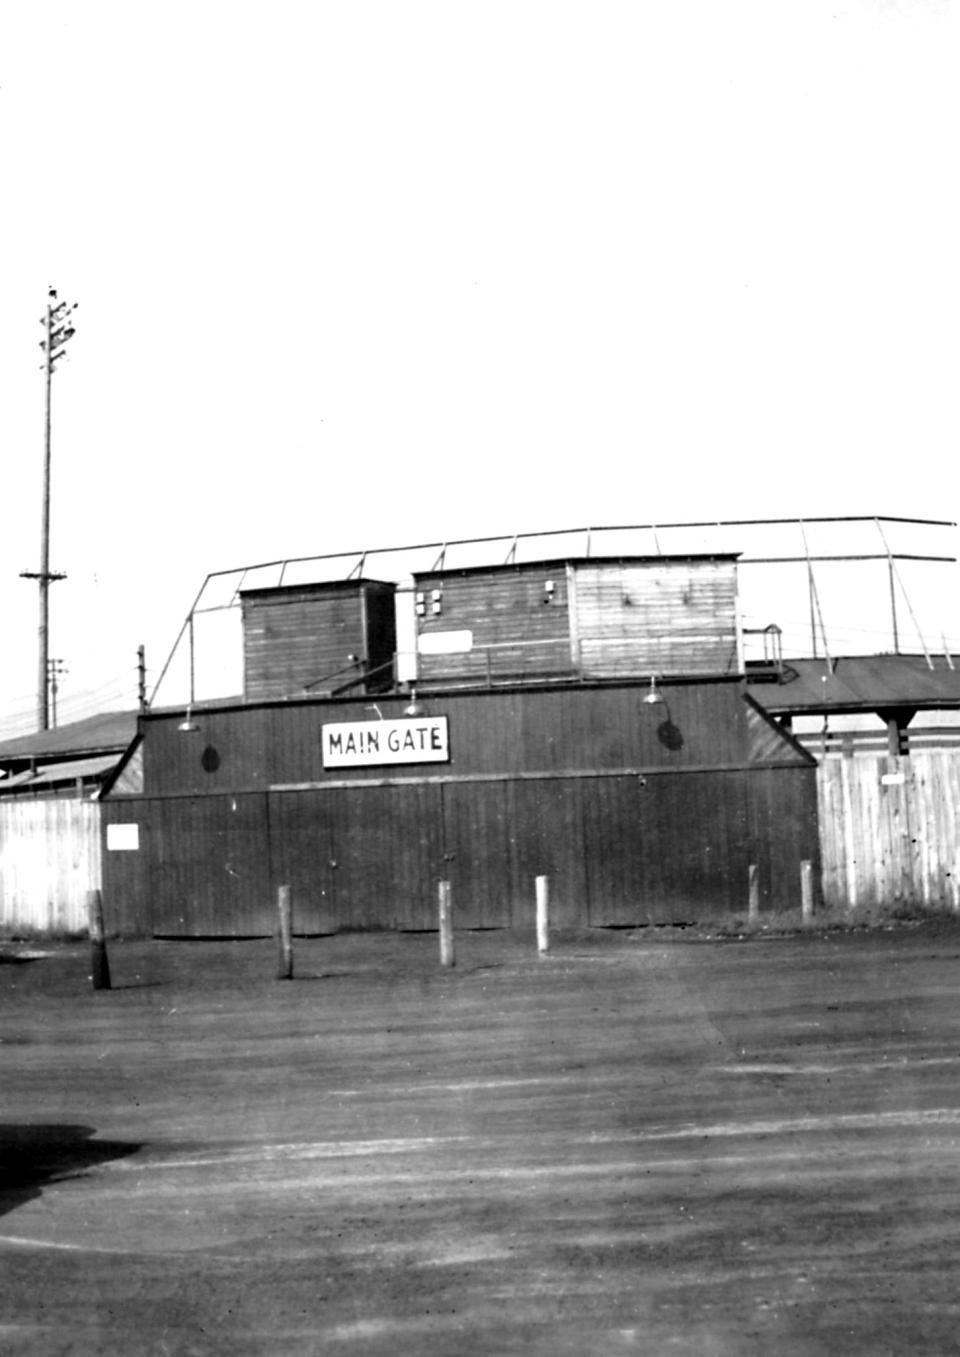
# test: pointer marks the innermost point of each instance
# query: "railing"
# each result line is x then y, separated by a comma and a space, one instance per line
874, 743
221, 589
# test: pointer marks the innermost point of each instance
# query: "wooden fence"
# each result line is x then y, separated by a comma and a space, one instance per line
889, 833
49, 860
889, 830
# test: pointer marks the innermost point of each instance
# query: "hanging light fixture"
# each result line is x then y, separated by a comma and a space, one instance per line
654, 696
413, 707
188, 726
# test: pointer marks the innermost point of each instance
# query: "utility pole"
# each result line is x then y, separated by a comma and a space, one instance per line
142, 678
57, 669
58, 330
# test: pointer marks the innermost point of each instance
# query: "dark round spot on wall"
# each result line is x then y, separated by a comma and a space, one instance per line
209, 759
670, 735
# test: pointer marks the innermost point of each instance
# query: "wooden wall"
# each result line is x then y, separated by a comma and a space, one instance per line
619, 850
590, 727
637, 813
597, 618
202, 868
49, 860
303, 636
656, 617
891, 830
518, 627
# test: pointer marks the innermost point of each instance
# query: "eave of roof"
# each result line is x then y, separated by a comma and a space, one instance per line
559, 562
55, 774
92, 736
317, 589
861, 683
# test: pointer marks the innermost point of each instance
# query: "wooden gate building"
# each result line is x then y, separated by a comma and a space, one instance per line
644, 786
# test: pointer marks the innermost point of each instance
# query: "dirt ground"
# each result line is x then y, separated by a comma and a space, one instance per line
633, 1145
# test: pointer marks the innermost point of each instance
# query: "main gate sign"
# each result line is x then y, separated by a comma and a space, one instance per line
354, 744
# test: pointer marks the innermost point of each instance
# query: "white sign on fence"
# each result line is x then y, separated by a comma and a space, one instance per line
416, 739
123, 838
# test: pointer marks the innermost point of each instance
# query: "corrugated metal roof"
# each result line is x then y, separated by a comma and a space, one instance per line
861, 683
109, 730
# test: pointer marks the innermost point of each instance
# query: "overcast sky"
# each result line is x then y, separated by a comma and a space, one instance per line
357, 274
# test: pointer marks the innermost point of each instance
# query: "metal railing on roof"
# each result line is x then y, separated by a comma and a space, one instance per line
631, 540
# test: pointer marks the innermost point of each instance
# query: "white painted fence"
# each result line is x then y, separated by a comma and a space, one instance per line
49, 860
890, 830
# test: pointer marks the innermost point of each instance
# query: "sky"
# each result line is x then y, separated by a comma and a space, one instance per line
353, 275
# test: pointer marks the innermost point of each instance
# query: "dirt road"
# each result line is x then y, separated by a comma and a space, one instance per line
629, 1146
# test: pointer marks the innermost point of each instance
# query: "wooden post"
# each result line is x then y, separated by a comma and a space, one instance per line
284, 933
753, 883
446, 926
806, 890
893, 737
543, 915
98, 948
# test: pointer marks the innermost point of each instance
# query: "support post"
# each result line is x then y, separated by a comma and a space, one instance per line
284, 933
753, 882
894, 737
100, 965
543, 915
806, 891
446, 926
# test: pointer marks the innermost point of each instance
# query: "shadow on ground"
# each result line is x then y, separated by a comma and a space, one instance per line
33, 1155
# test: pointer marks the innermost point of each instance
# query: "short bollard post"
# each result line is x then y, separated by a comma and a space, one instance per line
543, 914
284, 933
753, 903
446, 925
100, 965
806, 891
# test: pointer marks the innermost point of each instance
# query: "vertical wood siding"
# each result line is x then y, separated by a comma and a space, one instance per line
49, 860
619, 850
597, 728
678, 849
891, 843
202, 868
360, 858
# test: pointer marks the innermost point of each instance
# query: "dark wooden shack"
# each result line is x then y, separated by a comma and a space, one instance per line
319, 638
637, 811
590, 618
